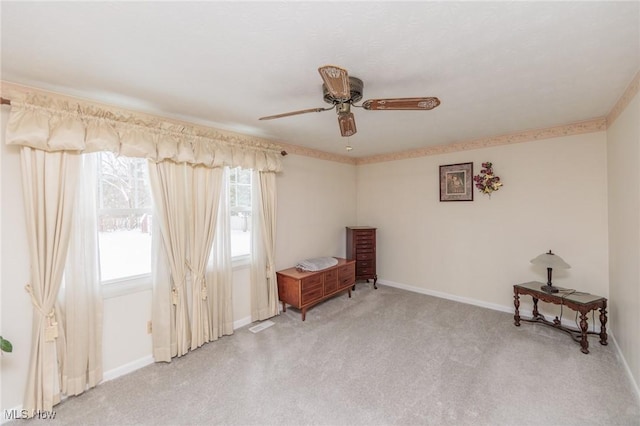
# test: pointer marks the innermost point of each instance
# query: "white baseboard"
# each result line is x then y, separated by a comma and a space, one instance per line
147, 360
448, 296
494, 306
127, 368
626, 366
241, 322
509, 309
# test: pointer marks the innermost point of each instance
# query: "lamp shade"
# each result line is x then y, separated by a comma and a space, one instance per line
550, 260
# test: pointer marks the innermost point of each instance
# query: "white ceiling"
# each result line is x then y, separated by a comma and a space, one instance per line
497, 67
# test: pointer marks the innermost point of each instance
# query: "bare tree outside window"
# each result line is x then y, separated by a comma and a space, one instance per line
240, 209
124, 217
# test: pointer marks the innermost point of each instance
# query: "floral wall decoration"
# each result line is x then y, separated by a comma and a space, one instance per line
487, 181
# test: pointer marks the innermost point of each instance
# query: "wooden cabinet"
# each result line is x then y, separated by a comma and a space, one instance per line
303, 289
361, 247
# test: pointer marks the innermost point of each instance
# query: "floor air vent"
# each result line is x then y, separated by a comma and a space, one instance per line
258, 328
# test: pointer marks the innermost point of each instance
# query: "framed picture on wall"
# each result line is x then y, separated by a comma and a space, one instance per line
456, 182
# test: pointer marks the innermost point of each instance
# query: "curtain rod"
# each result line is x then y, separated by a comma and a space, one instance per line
5, 101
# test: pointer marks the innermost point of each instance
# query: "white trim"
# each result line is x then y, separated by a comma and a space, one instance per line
447, 296
122, 287
510, 310
241, 322
634, 384
127, 368
242, 261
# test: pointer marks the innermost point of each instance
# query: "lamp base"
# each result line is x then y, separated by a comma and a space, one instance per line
549, 288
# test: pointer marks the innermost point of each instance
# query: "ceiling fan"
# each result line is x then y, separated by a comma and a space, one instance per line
343, 91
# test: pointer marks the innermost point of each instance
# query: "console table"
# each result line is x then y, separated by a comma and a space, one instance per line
578, 301
303, 289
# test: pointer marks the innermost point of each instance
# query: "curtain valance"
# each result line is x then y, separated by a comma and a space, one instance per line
49, 124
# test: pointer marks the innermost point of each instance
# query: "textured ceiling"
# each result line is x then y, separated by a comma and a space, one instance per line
498, 67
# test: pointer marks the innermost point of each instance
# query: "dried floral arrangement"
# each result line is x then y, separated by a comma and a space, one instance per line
487, 181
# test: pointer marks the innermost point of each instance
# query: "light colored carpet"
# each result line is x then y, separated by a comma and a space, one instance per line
384, 357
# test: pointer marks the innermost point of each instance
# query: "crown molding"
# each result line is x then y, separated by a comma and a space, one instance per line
589, 126
315, 153
625, 99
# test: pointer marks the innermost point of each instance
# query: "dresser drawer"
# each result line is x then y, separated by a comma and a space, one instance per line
365, 246
364, 233
312, 294
330, 281
366, 264
310, 283
346, 275
365, 272
365, 256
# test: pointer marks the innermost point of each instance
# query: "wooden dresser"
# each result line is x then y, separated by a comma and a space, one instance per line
361, 247
302, 289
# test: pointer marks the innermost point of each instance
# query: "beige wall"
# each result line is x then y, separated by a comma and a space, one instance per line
554, 197
623, 157
316, 201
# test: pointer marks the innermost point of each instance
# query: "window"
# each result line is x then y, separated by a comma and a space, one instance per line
125, 214
240, 210
124, 217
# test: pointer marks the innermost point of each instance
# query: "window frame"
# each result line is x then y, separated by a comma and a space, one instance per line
121, 286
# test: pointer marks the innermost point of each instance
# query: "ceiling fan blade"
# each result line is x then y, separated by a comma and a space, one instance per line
336, 80
287, 114
402, 104
347, 123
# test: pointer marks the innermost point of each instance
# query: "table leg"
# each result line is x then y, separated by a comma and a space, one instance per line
375, 280
304, 314
603, 323
584, 327
535, 307
284, 306
516, 303
349, 293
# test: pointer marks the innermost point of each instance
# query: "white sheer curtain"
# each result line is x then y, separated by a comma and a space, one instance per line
81, 296
219, 270
162, 311
264, 287
49, 186
205, 189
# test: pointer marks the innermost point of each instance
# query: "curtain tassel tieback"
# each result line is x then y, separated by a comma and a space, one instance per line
203, 286
204, 292
51, 330
198, 278
176, 291
268, 271
174, 296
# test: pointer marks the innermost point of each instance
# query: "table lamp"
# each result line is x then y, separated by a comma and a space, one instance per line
550, 260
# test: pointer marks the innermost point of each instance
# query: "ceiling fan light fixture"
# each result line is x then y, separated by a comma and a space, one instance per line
347, 124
